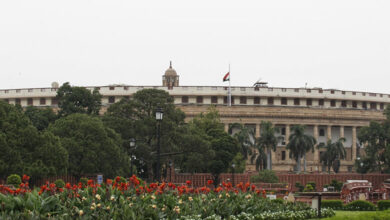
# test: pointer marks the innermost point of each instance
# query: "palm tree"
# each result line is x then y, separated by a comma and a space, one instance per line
299, 144
334, 153
260, 158
268, 141
245, 137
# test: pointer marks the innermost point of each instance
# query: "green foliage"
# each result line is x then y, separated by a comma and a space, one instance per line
265, 176
332, 204
135, 118
78, 100
239, 163
83, 181
308, 188
313, 185
92, 147
334, 152
337, 185
299, 144
359, 205
59, 183
299, 186
40, 117
108, 203
24, 149
14, 180
376, 137
266, 142
383, 204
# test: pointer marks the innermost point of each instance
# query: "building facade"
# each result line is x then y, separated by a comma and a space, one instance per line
327, 114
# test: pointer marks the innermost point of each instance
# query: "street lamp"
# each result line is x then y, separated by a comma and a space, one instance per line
159, 117
133, 146
233, 166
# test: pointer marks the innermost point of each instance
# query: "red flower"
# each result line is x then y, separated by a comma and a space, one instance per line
68, 186
209, 182
188, 182
25, 178
109, 181
117, 179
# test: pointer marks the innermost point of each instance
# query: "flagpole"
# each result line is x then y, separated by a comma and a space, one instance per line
230, 91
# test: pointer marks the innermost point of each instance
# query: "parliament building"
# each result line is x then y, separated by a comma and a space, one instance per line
327, 114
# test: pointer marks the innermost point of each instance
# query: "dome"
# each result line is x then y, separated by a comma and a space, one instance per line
170, 71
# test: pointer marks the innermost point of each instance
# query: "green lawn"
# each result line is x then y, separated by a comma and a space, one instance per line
360, 215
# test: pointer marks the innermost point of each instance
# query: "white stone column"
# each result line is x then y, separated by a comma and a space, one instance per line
257, 135
227, 128
316, 150
286, 139
353, 143
341, 131
329, 132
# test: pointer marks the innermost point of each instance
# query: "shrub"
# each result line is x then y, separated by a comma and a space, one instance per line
59, 183
278, 201
299, 186
360, 205
14, 179
308, 188
265, 176
383, 204
337, 185
313, 184
333, 204
84, 181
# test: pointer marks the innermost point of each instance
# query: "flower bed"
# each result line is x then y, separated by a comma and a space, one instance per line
136, 200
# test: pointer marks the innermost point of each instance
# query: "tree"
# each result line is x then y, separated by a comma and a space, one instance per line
335, 151
73, 99
245, 137
376, 139
40, 118
135, 118
268, 141
22, 146
299, 144
92, 147
214, 148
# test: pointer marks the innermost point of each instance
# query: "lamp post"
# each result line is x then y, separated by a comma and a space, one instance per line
233, 166
159, 117
361, 164
132, 146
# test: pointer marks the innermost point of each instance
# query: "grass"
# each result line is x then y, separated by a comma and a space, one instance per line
360, 215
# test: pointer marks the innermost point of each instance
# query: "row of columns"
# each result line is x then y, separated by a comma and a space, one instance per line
316, 135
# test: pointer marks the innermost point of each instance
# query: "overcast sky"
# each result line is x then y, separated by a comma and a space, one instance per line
329, 44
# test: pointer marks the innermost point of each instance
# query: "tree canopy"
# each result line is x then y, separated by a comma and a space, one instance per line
73, 99
92, 147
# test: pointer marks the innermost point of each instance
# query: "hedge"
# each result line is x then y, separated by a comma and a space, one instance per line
360, 205
383, 204
333, 204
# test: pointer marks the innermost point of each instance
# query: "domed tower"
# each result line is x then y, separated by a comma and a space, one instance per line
170, 78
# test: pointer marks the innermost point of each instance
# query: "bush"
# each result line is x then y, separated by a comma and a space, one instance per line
360, 205
383, 204
59, 183
265, 176
84, 181
313, 184
14, 179
333, 204
299, 186
337, 185
308, 188
278, 201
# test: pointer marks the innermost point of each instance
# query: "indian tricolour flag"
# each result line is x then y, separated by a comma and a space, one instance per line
226, 77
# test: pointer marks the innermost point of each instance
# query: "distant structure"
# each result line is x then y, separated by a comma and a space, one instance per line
170, 78
327, 114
